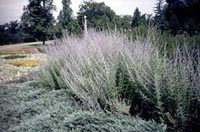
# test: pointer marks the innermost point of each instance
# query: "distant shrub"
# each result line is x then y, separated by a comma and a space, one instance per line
28, 38
102, 68
8, 38
14, 57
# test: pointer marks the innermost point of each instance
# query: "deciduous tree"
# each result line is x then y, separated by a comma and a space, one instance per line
99, 15
38, 19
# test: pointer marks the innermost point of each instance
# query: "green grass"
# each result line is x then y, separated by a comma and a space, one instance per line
23, 45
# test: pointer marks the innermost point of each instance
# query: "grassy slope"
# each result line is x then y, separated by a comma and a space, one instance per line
25, 108
23, 45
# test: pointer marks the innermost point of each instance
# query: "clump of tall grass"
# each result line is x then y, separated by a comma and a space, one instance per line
104, 67
87, 67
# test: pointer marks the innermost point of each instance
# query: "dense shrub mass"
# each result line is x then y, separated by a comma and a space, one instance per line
90, 122
101, 70
25, 108
10, 57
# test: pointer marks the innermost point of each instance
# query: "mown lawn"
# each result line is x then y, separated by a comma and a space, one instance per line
23, 45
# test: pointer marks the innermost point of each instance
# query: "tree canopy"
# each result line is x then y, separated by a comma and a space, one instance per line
38, 24
37, 18
123, 22
136, 17
180, 15
65, 15
66, 21
98, 15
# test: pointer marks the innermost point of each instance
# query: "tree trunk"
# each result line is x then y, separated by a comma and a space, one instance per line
43, 39
44, 34
43, 42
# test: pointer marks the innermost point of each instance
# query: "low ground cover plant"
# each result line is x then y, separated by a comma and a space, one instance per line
27, 108
102, 69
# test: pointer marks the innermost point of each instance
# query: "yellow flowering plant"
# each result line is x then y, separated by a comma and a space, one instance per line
24, 63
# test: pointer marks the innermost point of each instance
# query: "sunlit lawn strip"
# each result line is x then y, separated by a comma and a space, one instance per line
24, 63
23, 51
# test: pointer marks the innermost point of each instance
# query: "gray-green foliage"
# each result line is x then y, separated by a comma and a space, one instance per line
27, 108
102, 68
90, 122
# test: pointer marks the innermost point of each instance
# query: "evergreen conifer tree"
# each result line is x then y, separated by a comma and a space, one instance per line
159, 13
136, 17
65, 15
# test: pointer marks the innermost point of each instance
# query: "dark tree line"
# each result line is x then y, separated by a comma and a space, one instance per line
10, 32
179, 16
38, 24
